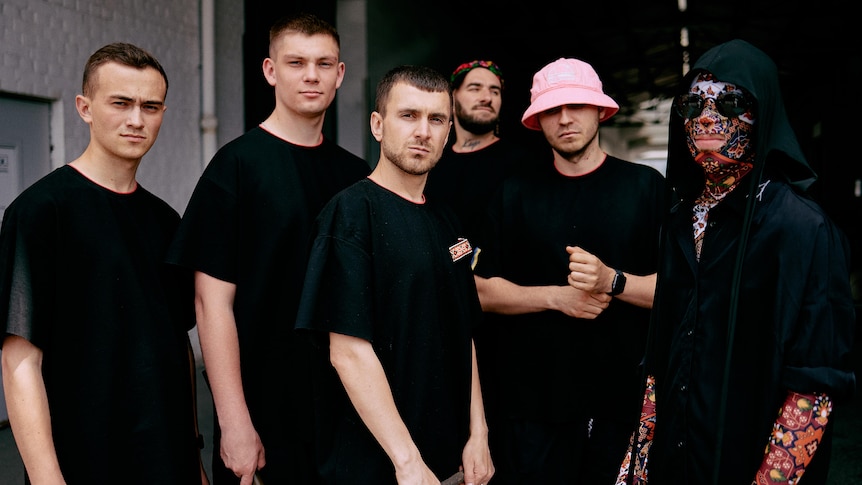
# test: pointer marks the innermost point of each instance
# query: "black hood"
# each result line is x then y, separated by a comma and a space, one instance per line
777, 150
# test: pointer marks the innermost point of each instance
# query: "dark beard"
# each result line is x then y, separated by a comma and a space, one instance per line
472, 125
477, 127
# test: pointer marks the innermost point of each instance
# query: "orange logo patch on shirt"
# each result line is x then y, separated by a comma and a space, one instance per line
460, 249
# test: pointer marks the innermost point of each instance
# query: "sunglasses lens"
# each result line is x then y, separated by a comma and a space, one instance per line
729, 105
732, 105
688, 105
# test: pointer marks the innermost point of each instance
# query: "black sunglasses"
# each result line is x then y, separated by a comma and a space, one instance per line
730, 105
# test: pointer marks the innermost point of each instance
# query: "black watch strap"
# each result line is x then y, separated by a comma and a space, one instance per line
619, 283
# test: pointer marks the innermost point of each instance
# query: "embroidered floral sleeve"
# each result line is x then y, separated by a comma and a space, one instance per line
795, 437
634, 465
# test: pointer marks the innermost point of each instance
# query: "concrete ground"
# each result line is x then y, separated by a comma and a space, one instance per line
846, 465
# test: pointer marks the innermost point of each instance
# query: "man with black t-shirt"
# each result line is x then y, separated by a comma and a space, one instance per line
245, 234
96, 354
390, 296
569, 263
468, 174
478, 160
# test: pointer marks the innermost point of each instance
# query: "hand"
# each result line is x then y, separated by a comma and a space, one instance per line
580, 304
417, 473
242, 452
587, 272
478, 467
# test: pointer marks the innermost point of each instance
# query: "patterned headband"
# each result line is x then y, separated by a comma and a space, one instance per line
463, 69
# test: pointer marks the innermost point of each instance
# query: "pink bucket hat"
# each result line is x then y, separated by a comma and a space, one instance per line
562, 82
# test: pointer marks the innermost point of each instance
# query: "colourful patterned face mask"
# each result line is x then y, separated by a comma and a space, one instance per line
717, 97
719, 117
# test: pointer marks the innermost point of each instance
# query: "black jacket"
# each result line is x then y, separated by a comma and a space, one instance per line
766, 310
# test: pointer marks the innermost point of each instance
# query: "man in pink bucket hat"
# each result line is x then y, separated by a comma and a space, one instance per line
569, 264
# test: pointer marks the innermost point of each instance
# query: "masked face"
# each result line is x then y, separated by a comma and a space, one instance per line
725, 123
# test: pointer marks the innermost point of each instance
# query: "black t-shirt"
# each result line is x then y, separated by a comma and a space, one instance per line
467, 181
82, 277
551, 366
396, 274
247, 223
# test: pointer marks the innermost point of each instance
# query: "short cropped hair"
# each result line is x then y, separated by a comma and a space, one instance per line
302, 23
420, 77
121, 53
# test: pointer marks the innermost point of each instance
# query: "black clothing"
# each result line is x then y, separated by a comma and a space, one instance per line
532, 451
613, 212
467, 181
550, 367
82, 278
772, 277
382, 269
248, 223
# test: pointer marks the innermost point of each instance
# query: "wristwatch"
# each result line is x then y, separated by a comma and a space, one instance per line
619, 283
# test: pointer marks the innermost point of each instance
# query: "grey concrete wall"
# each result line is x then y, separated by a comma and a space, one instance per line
44, 45
229, 27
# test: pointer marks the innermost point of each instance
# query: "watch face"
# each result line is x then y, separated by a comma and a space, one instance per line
619, 283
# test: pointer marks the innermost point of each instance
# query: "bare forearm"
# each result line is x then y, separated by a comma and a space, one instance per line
367, 387
498, 295
476, 457
240, 448
478, 424
220, 348
639, 291
27, 406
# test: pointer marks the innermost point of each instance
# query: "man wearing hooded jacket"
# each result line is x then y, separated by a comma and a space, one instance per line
753, 318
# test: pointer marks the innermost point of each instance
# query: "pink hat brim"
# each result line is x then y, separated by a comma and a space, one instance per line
563, 95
